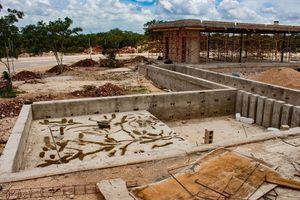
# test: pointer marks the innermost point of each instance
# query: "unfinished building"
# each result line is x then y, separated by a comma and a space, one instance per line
196, 41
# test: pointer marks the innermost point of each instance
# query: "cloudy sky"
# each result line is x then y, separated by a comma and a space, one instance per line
103, 15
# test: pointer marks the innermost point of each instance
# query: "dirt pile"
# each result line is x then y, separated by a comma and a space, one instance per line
285, 77
137, 59
85, 63
111, 63
25, 75
105, 90
59, 69
127, 50
12, 108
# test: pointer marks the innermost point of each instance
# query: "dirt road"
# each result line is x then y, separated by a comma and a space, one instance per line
49, 61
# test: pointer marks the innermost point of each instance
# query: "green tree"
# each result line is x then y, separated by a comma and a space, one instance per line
59, 32
149, 23
34, 38
116, 39
9, 37
52, 36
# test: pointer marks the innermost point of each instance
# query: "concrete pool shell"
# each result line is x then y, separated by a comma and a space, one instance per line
81, 139
193, 98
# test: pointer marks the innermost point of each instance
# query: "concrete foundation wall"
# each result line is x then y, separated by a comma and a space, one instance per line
290, 96
11, 160
245, 67
165, 106
267, 112
177, 81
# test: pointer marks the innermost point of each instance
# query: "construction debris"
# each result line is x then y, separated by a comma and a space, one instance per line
221, 174
26, 75
105, 90
114, 189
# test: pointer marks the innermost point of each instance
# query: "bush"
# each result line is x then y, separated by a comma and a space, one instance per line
8, 92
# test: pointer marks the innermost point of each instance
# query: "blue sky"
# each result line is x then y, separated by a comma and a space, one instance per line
103, 15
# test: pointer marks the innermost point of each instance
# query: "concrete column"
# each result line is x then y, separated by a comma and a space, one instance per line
260, 109
277, 110
295, 117
195, 50
252, 106
245, 105
268, 112
239, 100
286, 114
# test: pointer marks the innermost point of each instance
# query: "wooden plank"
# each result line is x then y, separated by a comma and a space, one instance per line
264, 189
114, 189
289, 183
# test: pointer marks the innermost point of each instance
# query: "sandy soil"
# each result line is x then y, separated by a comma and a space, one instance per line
6, 125
75, 80
60, 87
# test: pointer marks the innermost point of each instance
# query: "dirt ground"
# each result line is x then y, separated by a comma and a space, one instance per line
55, 87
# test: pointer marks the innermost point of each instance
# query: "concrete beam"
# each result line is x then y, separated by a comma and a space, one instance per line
286, 115
276, 115
295, 117
260, 109
268, 112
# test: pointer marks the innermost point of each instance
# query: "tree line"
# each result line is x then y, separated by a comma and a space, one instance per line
57, 36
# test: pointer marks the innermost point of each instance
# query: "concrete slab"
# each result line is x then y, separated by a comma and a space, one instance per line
245, 104
79, 139
114, 189
225, 129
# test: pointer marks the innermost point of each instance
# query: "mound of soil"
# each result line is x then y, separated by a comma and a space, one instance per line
111, 63
105, 90
12, 108
282, 76
59, 69
85, 63
137, 59
25, 75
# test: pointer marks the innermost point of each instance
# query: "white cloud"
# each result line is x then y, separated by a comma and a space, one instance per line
102, 15
234, 10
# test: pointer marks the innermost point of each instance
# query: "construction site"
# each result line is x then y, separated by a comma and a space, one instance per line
214, 114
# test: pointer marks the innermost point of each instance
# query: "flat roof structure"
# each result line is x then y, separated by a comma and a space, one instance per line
197, 41
220, 26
